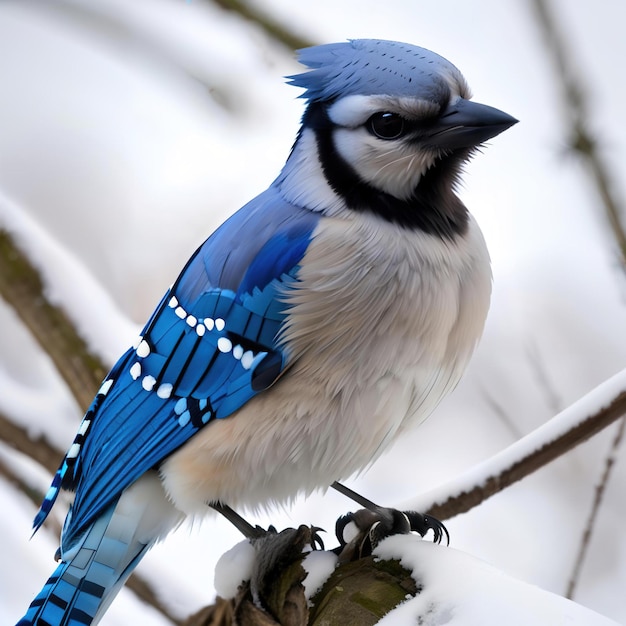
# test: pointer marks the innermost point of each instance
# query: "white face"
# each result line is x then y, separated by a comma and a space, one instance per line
392, 164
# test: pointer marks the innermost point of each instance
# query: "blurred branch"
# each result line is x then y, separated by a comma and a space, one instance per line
582, 141
585, 145
122, 29
22, 288
276, 30
595, 509
32, 493
37, 448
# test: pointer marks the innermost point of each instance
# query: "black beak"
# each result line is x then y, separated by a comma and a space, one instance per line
465, 124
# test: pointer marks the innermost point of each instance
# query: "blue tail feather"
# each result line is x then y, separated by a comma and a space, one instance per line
89, 577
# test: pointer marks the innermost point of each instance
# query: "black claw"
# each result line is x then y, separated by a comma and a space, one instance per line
317, 543
363, 519
340, 526
423, 523
375, 525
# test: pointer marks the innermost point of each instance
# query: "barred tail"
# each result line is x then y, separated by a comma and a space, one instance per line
83, 586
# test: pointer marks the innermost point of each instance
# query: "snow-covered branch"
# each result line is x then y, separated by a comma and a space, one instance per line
592, 413
406, 581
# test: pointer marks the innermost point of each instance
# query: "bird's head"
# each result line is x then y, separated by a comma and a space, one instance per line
391, 125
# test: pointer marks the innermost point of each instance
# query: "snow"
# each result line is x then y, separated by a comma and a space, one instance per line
233, 568
319, 565
236, 564
114, 166
455, 588
589, 405
461, 590
97, 318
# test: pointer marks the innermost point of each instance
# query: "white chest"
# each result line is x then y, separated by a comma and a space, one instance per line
376, 301
380, 328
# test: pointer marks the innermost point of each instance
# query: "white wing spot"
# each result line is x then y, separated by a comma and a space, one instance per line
220, 324
209, 323
200, 329
135, 370
106, 385
247, 359
180, 312
173, 302
164, 391
143, 349
224, 344
148, 382
237, 352
72, 453
83, 427
191, 320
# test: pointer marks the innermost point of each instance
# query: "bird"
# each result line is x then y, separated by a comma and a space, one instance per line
316, 325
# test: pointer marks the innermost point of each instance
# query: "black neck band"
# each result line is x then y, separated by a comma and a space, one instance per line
433, 207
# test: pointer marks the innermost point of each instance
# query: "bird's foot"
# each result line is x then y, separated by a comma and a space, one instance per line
359, 533
264, 588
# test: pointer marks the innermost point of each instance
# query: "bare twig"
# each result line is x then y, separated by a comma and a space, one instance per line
272, 27
501, 413
542, 378
595, 509
582, 140
583, 143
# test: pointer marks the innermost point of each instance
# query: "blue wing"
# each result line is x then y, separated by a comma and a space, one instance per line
209, 347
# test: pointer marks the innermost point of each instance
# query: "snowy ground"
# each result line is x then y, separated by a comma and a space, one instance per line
116, 165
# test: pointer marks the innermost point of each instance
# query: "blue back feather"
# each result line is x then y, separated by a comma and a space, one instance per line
209, 347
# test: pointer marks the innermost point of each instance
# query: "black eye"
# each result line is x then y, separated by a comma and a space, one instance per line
386, 125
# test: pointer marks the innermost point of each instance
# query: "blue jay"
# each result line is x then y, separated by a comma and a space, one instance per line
325, 317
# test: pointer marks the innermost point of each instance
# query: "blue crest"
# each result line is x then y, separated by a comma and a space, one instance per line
367, 67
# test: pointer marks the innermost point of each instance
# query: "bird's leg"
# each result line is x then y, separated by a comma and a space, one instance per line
375, 522
357, 497
256, 532
245, 528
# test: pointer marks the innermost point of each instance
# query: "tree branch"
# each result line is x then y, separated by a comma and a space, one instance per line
37, 448
525, 456
583, 143
595, 509
272, 27
22, 288
582, 140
